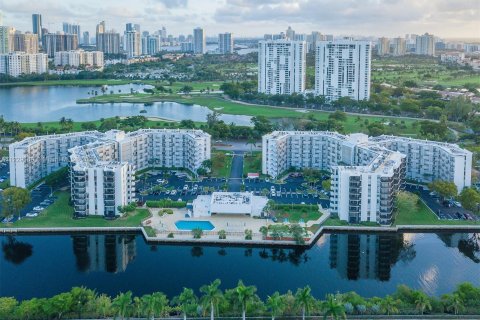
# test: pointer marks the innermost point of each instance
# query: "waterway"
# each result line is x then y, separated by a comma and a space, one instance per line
50, 103
370, 264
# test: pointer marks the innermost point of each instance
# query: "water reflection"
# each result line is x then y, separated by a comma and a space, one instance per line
104, 253
368, 256
15, 251
467, 244
295, 256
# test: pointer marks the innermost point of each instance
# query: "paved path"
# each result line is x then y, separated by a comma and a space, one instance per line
236, 173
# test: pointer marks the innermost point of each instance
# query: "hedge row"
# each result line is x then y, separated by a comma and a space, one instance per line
166, 203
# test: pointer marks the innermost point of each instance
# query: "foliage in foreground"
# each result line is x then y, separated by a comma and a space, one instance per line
242, 301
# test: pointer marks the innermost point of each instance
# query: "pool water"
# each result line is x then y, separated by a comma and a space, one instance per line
190, 225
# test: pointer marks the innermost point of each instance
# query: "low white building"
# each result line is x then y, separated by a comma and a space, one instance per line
75, 58
228, 203
17, 63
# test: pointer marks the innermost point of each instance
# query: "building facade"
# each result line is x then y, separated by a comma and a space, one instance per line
102, 165
342, 69
6, 39
383, 46
399, 46
133, 44
55, 42
425, 45
366, 172
37, 25
17, 63
225, 43
199, 43
75, 58
281, 66
25, 42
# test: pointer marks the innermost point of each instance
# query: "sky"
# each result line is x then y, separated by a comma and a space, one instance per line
247, 18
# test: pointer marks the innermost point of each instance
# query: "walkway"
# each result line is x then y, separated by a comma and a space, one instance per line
236, 173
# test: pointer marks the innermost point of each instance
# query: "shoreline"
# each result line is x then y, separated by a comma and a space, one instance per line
267, 243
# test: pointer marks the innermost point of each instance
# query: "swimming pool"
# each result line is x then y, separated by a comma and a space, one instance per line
190, 225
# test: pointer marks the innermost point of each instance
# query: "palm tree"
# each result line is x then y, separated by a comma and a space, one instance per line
122, 304
454, 302
331, 307
305, 300
390, 305
212, 296
244, 295
154, 304
422, 303
185, 301
275, 304
252, 142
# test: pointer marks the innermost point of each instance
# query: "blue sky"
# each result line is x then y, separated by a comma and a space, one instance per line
445, 18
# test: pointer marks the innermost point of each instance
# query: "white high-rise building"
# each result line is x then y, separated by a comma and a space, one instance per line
17, 63
281, 66
366, 172
103, 165
75, 58
199, 43
425, 45
342, 69
6, 39
133, 44
225, 43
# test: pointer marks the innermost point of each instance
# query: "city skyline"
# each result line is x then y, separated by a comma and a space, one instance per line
247, 18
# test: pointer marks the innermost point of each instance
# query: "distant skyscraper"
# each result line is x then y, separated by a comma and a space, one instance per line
55, 42
86, 38
399, 46
342, 69
6, 39
129, 27
137, 27
425, 45
290, 33
37, 25
72, 29
132, 44
383, 46
225, 43
199, 44
25, 42
153, 44
281, 66
107, 41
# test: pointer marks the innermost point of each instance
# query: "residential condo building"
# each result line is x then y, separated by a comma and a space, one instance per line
399, 46
225, 43
76, 58
366, 172
6, 39
133, 44
281, 66
425, 45
102, 165
17, 63
342, 69
383, 46
25, 42
55, 42
199, 43
37, 25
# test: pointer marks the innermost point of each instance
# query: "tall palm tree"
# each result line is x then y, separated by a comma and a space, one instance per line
212, 296
160, 301
122, 304
333, 309
245, 294
275, 304
305, 300
185, 301
454, 303
422, 303
389, 305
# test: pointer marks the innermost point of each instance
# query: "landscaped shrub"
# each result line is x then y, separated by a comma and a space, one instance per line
222, 234
197, 233
170, 235
166, 203
248, 234
166, 211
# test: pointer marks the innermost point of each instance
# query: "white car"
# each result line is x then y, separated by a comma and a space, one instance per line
32, 214
38, 208
159, 180
174, 192
167, 192
185, 187
457, 204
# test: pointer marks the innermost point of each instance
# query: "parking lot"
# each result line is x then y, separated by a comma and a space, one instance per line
160, 185
445, 210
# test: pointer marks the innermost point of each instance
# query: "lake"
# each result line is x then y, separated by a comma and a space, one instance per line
50, 103
370, 264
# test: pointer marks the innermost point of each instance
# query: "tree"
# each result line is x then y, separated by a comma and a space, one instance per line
186, 89
333, 308
212, 296
154, 304
389, 305
60, 304
453, 302
445, 189
275, 305
81, 296
187, 301
14, 199
264, 231
89, 126
338, 116
244, 295
212, 119
470, 199
122, 304
7, 307
459, 109
103, 304
305, 300
197, 233
261, 124
422, 302
326, 184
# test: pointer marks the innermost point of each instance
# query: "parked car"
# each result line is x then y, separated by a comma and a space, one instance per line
185, 187
7, 219
173, 192
38, 208
32, 214
167, 192
457, 204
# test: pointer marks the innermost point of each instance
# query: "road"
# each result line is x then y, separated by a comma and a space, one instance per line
236, 172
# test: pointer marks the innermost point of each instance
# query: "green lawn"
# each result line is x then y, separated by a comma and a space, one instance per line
60, 213
297, 212
252, 163
422, 215
221, 164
